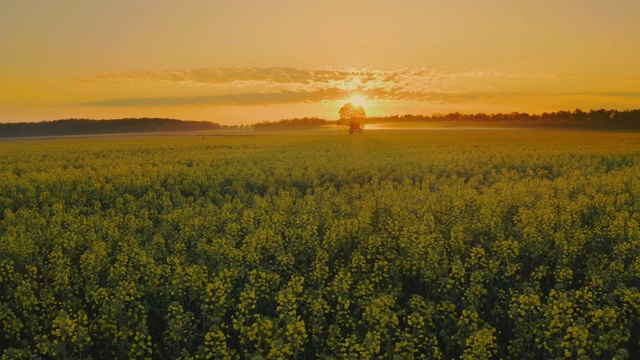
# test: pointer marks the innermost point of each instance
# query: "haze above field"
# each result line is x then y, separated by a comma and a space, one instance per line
247, 61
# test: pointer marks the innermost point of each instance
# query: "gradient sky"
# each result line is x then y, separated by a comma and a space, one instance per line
247, 61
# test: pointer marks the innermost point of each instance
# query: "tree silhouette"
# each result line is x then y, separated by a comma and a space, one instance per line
352, 118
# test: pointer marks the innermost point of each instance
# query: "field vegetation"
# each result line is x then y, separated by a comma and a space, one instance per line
394, 245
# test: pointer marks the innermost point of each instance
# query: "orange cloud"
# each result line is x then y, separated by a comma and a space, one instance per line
288, 85
280, 97
314, 77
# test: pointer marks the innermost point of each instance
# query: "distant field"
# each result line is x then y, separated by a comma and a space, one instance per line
473, 244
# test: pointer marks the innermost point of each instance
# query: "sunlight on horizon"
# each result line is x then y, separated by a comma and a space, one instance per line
239, 63
359, 100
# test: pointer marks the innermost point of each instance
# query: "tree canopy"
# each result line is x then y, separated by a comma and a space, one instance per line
352, 118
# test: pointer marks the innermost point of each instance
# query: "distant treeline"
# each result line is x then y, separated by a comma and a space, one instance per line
86, 126
293, 124
576, 119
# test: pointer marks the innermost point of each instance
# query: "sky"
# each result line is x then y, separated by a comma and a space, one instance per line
244, 61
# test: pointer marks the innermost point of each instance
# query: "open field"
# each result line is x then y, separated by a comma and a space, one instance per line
472, 244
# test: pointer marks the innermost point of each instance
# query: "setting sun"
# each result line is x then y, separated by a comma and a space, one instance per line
358, 100
221, 62
320, 179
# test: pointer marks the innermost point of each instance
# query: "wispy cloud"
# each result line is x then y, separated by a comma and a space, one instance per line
621, 94
280, 97
279, 75
617, 94
286, 85
296, 97
318, 77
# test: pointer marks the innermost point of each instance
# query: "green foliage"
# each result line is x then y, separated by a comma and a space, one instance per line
352, 118
432, 245
116, 126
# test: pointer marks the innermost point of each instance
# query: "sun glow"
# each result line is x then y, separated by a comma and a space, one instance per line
358, 100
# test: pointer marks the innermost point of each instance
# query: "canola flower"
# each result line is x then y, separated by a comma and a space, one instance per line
433, 245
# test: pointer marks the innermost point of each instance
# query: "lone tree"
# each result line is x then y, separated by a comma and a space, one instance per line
352, 118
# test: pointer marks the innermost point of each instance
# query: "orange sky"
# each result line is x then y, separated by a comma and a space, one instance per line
247, 61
